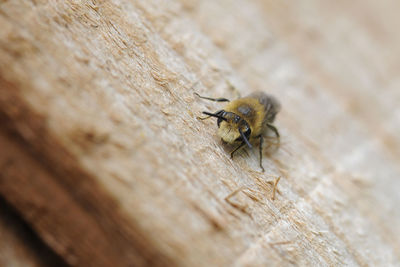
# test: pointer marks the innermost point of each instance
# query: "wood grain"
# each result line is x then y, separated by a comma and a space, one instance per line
103, 156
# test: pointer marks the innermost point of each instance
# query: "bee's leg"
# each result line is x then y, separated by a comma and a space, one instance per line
203, 118
234, 89
237, 148
275, 130
213, 99
260, 150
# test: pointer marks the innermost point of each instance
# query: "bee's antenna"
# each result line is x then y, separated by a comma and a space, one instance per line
214, 115
245, 139
221, 99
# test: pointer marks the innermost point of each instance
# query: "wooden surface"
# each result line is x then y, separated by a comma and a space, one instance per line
102, 154
19, 245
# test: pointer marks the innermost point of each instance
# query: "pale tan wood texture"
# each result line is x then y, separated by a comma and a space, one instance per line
103, 156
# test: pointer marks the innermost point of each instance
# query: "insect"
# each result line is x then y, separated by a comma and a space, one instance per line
246, 119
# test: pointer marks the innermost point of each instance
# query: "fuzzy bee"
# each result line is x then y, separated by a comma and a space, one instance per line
246, 119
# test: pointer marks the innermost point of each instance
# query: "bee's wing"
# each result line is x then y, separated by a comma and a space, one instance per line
270, 103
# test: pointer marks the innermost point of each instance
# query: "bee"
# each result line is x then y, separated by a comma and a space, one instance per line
244, 120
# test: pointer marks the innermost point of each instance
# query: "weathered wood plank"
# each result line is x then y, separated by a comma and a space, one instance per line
104, 157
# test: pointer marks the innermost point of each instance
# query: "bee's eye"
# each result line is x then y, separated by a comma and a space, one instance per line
236, 119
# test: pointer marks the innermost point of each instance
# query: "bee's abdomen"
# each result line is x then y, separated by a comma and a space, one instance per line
271, 105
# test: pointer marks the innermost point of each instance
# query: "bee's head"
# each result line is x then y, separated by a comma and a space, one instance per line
231, 127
